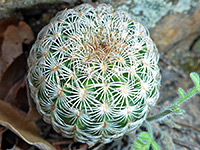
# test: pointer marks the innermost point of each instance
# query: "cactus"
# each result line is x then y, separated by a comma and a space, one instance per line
93, 73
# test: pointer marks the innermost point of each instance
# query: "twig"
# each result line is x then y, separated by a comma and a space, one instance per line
184, 144
187, 126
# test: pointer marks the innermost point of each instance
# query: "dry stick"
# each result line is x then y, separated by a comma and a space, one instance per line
184, 144
188, 126
181, 143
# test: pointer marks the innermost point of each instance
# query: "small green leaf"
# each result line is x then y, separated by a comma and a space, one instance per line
174, 107
147, 146
138, 142
144, 136
179, 111
195, 78
141, 148
181, 92
136, 147
155, 145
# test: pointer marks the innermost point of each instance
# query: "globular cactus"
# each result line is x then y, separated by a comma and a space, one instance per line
93, 73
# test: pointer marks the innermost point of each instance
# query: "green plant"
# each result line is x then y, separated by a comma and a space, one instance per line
93, 73
145, 139
174, 108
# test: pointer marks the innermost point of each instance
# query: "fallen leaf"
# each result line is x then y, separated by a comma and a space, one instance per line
13, 38
14, 89
13, 74
25, 32
17, 122
17, 95
3, 26
20, 97
11, 46
33, 113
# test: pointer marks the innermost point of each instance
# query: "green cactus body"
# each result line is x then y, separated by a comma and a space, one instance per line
93, 73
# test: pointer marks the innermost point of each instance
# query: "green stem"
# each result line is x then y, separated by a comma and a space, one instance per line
160, 115
194, 91
149, 128
171, 109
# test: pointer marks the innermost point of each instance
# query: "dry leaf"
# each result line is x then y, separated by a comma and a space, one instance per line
13, 38
20, 97
14, 90
25, 32
14, 73
11, 46
17, 95
33, 114
11, 118
3, 26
